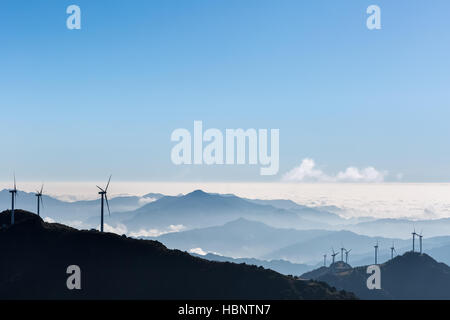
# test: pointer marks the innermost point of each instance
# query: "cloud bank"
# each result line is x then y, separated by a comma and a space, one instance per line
308, 172
122, 229
199, 251
143, 201
118, 229
157, 232
202, 252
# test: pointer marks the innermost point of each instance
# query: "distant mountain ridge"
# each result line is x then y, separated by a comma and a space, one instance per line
359, 244
80, 211
254, 239
156, 214
201, 209
391, 227
240, 237
281, 266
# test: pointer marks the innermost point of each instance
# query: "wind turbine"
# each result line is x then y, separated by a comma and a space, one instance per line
346, 255
324, 260
414, 238
393, 250
39, 199
13, 199
342, 252
376, 253
103, 198
420, 240
334, 254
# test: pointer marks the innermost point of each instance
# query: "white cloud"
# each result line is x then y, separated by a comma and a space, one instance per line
119, 229
145, 233
198, 251
369, 174
143, 201
176, 228
157, 232
122, 229
307, 172
49, 220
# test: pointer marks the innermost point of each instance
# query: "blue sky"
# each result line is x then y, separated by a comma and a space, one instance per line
80, 104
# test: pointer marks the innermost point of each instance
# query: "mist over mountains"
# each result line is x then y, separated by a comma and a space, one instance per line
157, 212
76, 212
238, 238
275, 234
201, 209
234, 227
244, 239
281, 266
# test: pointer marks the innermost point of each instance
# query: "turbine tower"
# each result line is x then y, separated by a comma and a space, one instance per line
346, 255
420, 240
103, 198
39, 200
392, 251
324, 260
334, 255
376, 253
342, 252
414, 238
13, 199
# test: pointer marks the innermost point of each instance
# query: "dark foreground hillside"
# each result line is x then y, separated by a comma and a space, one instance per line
35, 256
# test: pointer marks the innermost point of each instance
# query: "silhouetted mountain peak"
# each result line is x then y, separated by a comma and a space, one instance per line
197, 194
336, 267
20, 216
339, 266
412, 257
153, 195
411, 262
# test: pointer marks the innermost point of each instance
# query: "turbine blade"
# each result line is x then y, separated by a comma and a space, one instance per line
100, 189
107, 204
14, 181
42, 201
42, 189
107, 185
